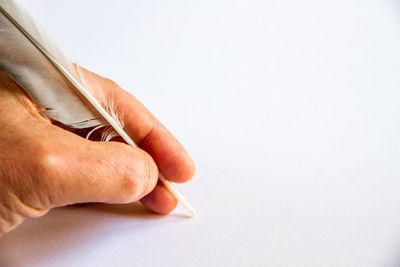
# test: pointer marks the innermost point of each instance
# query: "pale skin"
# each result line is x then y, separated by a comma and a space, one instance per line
43, 166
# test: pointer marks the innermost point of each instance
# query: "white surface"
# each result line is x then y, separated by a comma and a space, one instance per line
290, 110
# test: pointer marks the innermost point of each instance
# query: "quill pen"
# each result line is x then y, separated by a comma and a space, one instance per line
39, 66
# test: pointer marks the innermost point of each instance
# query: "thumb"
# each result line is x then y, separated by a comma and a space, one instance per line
84, 171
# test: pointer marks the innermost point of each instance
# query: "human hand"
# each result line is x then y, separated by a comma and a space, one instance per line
44, 166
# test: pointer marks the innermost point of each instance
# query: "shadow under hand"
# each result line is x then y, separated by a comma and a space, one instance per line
133, 210
73, 230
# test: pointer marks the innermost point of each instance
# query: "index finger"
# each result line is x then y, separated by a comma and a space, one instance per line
148, 133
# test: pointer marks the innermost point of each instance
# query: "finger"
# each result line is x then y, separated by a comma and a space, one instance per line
61, 168
76, 170
169, 155
160, 200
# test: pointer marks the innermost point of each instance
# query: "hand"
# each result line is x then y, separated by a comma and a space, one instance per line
44, 166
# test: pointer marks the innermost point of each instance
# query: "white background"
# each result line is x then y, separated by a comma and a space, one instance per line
289, 108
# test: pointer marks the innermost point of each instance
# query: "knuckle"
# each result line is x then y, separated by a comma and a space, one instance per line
139, 177
129, 186
46, 161
46, 166
23, 180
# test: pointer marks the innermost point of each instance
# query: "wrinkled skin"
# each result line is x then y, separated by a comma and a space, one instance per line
44, 166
